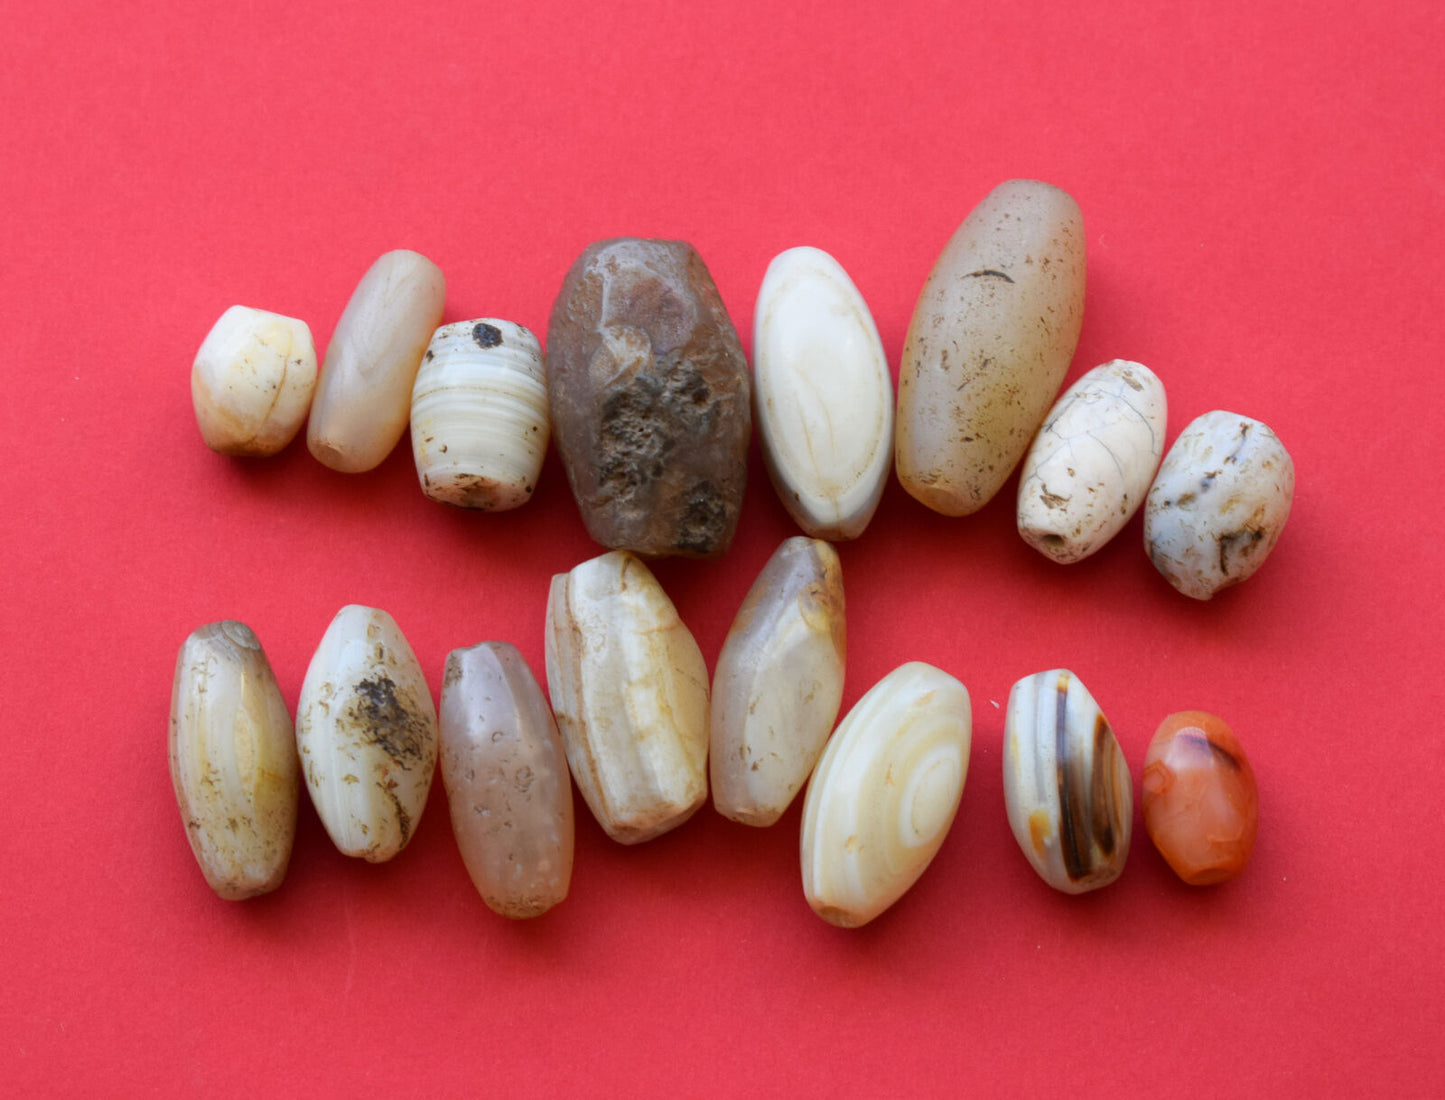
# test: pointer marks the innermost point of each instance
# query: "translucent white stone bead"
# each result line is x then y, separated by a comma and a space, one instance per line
252, 381
479, 420
1089, 467
824, 396
885, 793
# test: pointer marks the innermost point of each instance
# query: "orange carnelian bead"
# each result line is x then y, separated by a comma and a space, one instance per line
1201, 805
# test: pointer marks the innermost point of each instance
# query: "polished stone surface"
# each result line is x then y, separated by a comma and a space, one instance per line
1201, 802
252, 381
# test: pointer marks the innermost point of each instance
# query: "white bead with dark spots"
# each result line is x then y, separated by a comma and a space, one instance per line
1218, 506
1066, 784
1089, 468
479, 420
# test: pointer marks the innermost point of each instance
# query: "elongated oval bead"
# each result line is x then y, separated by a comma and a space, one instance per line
629, 689
1219, 504
363, 400
1201, 803
778, 683
1090, 466
650, 399
506, 777
252, 381
367, 732
989, 344
885, 793
233, 760
479, 421
824, 396
1066, 783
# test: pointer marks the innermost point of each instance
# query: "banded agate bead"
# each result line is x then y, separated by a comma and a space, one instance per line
1201, 804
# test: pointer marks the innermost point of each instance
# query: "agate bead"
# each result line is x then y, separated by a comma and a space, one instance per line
1201, 805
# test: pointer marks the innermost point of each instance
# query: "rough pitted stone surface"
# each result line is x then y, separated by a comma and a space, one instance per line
650, 399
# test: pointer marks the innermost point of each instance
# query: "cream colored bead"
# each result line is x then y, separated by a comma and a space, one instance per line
823, 393
252, 381
1219, 504
989, 344
363, 400
366, 729
1089, 468
885, 793
1066, 784
779, 683
479, 421
233, 760
629, 689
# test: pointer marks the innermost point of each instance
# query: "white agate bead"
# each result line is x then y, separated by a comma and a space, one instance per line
885, 793
824, 396
1218, 506
252, 381
1066, 784
1089, 468
366, 729
479, 421
629, 689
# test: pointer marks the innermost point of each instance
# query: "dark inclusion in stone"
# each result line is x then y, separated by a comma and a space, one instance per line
650, 399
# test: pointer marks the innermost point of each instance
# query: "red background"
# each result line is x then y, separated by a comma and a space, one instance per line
1264, 197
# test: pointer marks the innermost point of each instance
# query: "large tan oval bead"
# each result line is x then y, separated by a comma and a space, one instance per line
1066, 784
1090, 466
778, 683
366, 729
989, 344
884, 795
1219, 503
363, 400
824, 397
233, 760
505, 772
629, 689
252, 381
479, 421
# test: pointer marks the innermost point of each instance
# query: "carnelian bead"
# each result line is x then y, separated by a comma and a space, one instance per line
1201, 805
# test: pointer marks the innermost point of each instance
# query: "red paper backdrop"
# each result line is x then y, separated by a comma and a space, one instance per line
1264, 198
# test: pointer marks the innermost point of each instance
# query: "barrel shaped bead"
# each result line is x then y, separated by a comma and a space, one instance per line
252, 381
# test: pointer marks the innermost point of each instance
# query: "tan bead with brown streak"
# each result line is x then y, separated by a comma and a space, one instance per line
363, 401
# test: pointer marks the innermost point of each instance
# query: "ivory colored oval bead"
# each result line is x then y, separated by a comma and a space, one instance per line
1201, 804
252, 381
363, 400
506, 777
233, 760
629, 689
479, 421
778, 683
989, 344
823, 393
367, 732
1218, 506
1066, 783
1090, 466
885, 793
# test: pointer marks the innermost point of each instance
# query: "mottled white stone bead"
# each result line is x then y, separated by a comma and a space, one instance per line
366, 729
233, 760
1218, 506
363, 399
1089, 467
779, 683
479, 420
885, 793
1066, 784
252, 381
824, 396
629, 689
